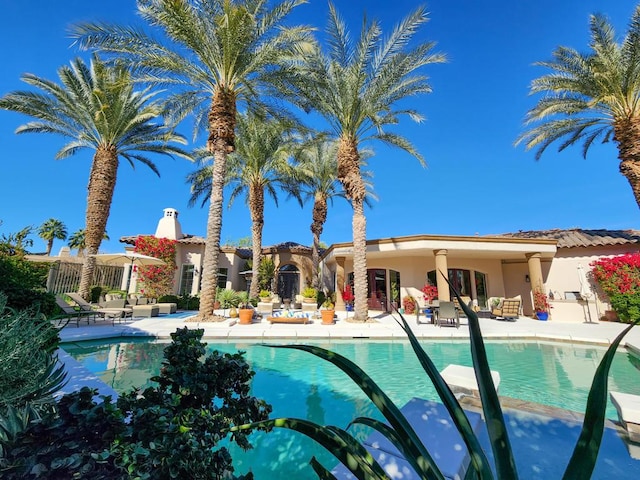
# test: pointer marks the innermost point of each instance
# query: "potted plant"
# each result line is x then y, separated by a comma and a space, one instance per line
409, 304
265, 296
429, 292
327, 312
245, 311
310, 295
348, 297
541, 305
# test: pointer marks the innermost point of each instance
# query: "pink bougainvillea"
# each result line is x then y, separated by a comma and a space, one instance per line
618, 275
157, 279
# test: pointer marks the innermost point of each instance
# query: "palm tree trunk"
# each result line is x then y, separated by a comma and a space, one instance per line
359, 224
49, 246
627, 134
319, 219
355, 190
102, 183
256, 207
222, 121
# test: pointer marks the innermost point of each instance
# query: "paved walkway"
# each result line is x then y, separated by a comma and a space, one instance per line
384, 327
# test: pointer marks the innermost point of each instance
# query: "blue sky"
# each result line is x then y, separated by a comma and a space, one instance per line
476, 181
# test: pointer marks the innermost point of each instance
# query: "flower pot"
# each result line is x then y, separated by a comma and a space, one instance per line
349, 307
611, 316
542, 315
246, 315
327, 316
265, 299
233, 313
308, 300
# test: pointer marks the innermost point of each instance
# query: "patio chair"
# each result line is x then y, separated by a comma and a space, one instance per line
509, 310
111, 312
73, 313
448, 314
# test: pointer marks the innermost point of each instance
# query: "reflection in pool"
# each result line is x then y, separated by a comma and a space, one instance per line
298, 384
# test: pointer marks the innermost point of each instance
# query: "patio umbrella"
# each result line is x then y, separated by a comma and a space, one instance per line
585, 287
127, 258
585, 290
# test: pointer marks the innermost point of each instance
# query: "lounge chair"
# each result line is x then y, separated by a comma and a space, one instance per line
73, 313
508, 309
448, 314
111, 311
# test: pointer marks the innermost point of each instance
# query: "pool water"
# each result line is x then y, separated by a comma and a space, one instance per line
298, 384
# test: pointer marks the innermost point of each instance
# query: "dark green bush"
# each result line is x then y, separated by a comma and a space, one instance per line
172, 429
168, 299
96, 292
626, 305
24, 284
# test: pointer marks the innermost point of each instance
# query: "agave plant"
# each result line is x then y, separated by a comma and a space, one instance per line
401, 434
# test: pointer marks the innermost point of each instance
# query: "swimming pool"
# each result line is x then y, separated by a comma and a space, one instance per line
300, 385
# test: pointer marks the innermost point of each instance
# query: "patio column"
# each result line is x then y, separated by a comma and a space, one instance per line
535, 271
340, 283
126, 277
441, 270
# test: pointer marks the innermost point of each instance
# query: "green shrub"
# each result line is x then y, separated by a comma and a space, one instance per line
626, 305
169, 299
310, 292
97, 292
170, 430
24, 284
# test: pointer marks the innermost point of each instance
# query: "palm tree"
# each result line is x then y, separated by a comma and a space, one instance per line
50, 230
77, 241
219, 50
96, 107
356, 87
592, 96
318, 172
258, 165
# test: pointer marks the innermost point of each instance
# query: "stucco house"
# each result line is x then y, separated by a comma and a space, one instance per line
480, 267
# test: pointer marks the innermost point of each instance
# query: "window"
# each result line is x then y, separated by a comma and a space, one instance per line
222, 277
186, 279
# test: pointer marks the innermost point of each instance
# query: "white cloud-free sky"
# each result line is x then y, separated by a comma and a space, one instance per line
476, 181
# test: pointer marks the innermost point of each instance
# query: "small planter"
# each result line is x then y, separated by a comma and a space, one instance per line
265, 299
349, 307
246, 315
611, 316
233, 313
542, 315
309, 300
327, 317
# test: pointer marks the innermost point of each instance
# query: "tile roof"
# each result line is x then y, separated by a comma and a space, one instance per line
578, 237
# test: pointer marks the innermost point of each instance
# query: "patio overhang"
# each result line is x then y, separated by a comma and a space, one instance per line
499, 248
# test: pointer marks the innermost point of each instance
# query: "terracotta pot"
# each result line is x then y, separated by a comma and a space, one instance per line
327, 316
611, 316
246, 315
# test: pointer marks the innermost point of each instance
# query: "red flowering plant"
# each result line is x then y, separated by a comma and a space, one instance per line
157, 279
430, 292
347, 295
619, 278
541, 301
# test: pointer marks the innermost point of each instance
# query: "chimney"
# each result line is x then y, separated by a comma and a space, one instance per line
169, 226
